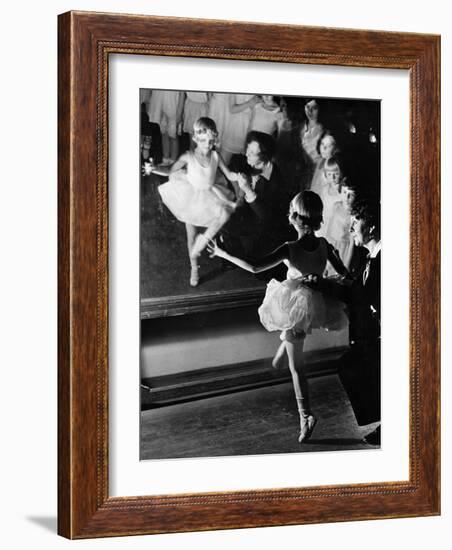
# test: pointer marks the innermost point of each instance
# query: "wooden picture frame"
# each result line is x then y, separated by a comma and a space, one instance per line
85, 508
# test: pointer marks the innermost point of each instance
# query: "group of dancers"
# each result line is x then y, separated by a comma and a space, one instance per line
331, 220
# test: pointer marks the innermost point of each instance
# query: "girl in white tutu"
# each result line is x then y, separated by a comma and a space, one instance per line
192, 195
291, 306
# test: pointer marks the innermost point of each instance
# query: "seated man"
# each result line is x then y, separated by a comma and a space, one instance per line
259, 223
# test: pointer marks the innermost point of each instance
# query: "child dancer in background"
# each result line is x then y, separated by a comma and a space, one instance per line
266, 117
338, 229
309, 135
237, 124
165, 109
326, 178
292, 307
288, 149
196, 106
192, 196
327, 148
219, 112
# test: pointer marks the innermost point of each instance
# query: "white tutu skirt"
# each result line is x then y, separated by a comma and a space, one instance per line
194, 205
292, 306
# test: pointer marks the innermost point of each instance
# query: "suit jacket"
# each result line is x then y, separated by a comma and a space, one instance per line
272, 202
364, 303
267, 213
359, 368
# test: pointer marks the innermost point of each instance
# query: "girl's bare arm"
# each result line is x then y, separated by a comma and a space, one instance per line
180, 163
239, 107
335, 260
267, 262
231, 176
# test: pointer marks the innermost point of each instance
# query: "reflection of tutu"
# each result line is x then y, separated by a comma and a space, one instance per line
290, 305
194, 205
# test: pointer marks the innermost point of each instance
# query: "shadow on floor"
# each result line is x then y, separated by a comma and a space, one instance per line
49, 523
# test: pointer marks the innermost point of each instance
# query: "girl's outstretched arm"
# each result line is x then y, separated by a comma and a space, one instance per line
231, 176
223, 197
335, 260
239, 107
267, 262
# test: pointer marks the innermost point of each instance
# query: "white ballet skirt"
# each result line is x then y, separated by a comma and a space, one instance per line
264, 120
294, 308
192, 195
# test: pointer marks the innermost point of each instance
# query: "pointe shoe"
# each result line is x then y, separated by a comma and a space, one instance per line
194, 275
307, 424
198, 246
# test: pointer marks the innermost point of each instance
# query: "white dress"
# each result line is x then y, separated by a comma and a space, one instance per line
296, 309
219, 112
309, 139
234, 135
265, 120
163, 103
195, 107
329, 197
192, 195
338, 233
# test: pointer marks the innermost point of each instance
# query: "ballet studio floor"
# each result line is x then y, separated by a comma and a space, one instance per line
251, 422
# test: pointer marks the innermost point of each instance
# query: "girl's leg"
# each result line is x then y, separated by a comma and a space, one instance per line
173, 148
191, 237
279, 355
300, 385
203, 239
165, 145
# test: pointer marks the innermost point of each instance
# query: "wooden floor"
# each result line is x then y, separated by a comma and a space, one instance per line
257, 421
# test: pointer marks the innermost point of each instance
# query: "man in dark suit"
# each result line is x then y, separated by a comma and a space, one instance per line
361, 366
259, 223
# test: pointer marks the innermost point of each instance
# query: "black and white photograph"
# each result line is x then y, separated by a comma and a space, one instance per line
192, 349
259, 274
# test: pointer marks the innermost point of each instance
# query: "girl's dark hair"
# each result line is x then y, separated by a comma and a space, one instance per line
332, 162
306, 208
295, 109
324, 134
266, 144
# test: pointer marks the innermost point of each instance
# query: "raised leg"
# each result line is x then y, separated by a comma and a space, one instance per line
279, 356
202, 240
